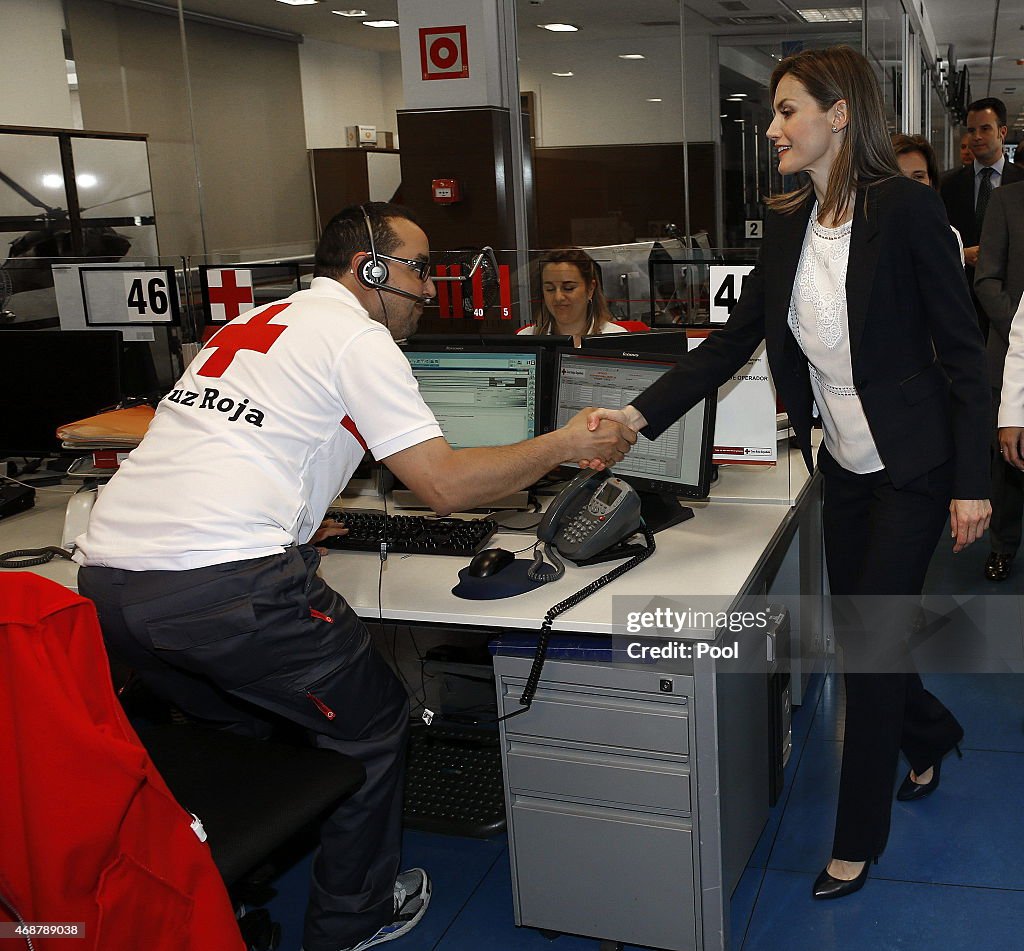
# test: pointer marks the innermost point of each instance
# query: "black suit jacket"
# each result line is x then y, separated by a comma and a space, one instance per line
957, 192
917, 353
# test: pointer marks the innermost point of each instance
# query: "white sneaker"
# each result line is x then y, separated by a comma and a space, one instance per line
412, 895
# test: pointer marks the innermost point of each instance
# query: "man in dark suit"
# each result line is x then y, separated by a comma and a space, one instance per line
999, 285
966, 192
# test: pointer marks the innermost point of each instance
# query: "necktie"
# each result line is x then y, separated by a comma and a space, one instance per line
984, 191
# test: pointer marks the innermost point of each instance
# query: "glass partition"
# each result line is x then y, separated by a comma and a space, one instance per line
883, 46
114, 189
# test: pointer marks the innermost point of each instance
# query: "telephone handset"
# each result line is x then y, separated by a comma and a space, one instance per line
594, 512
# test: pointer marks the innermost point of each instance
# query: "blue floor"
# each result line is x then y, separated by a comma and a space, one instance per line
951, 878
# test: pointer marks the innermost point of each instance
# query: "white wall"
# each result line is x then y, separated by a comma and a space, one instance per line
605, 100
33, 78
343, 86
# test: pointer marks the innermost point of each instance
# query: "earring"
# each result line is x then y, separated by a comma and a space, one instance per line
834, 129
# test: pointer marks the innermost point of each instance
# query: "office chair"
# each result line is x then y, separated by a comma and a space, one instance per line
245, 793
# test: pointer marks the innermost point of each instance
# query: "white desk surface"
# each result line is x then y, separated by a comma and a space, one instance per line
713, 554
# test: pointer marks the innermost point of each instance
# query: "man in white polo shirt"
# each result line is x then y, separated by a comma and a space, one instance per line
200, 551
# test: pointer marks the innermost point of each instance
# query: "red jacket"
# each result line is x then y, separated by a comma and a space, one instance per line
88, 830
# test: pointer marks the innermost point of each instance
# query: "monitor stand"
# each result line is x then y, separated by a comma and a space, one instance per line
660, 511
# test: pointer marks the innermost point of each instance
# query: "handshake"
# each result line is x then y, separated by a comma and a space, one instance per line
602, 437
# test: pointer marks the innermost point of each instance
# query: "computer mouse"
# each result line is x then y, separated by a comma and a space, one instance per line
489, 562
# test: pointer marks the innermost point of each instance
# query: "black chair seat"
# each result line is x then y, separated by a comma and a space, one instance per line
251, 795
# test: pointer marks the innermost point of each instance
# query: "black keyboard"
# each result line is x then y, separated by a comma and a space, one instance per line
411, 534
453, 781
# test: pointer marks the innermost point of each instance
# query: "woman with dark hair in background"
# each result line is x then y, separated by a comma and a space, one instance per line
916, 159
862, 302
574, 302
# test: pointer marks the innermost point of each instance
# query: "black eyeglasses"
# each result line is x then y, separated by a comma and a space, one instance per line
421, 268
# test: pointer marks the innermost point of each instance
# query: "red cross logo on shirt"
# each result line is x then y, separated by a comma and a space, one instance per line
230, 294
257, 334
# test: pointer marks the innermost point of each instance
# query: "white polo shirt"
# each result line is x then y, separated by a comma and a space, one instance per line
258, 437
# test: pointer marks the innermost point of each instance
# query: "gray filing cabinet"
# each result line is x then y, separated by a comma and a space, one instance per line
601, 802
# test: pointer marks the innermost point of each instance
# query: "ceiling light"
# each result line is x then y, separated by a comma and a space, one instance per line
380, 24
562, 74
832, 14
52, 181
723, 115
737, 95
654, 100
559, 27
86, 180
299, 3
350, 13
632, 56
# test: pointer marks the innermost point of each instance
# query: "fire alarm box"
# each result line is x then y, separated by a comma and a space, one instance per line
445, 191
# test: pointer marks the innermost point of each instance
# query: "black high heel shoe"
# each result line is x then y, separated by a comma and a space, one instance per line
910, 791
825, 886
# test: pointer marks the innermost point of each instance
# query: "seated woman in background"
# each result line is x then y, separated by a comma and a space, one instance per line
574, 302
916, 159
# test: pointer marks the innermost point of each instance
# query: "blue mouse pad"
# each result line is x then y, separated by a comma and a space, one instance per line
507, 583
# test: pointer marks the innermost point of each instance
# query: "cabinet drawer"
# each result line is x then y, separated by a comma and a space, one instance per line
657, 786
604, 873
600, 718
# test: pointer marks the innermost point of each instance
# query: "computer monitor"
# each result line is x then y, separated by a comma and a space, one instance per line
678, 463
49, 378
653, 341
481, 396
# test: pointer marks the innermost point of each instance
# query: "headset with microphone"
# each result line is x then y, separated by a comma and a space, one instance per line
373, 273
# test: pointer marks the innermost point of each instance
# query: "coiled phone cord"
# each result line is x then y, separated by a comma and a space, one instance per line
30, 557
545, 630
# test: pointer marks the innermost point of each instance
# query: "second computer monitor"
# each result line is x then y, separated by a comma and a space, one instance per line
481, 396
653, 341
678, 463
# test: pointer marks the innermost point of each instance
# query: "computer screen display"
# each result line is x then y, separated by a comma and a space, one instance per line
679, 461
49, 378
481, 396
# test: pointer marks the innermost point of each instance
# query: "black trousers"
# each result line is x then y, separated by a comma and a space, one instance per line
1007, 498
230, 644
879, 541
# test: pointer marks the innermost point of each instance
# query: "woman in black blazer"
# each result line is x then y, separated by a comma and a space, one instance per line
861, 298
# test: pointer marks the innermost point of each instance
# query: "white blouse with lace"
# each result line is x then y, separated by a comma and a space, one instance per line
818, 318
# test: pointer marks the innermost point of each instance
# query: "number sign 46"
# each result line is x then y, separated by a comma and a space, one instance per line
147, 297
